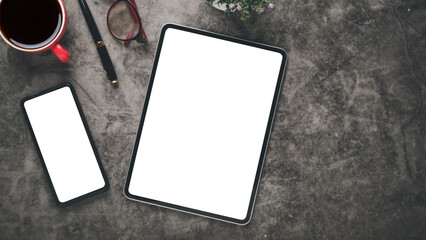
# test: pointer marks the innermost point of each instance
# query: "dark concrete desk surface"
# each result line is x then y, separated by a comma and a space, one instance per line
346, 158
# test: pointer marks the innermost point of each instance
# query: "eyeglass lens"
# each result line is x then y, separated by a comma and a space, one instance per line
123, 21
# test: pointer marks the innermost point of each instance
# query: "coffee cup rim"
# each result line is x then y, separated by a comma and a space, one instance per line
48, 45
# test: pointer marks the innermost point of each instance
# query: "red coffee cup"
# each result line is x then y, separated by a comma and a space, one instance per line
34, 26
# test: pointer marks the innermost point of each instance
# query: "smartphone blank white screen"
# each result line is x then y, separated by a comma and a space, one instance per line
64, 144
205, 123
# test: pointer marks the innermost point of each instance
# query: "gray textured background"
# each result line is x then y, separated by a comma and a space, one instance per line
346, 158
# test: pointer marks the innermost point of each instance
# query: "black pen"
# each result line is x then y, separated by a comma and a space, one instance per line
103, 53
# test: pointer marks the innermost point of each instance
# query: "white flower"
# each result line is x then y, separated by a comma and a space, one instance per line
261, 10
271, 5
239, 8
231, 6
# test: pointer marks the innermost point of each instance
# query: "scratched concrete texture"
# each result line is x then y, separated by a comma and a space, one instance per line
346, 157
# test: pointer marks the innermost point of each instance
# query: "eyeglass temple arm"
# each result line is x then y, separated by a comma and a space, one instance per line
135, 22
135, 17
130, 34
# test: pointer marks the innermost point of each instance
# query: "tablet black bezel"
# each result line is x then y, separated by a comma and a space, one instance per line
265, 141
86, 127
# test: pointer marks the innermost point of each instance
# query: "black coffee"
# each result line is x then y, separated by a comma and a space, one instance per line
30, 23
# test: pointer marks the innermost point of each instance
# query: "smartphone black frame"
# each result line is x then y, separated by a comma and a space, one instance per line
92, 143
266, 136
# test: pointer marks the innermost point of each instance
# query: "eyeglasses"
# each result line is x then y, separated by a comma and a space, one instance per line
124, 22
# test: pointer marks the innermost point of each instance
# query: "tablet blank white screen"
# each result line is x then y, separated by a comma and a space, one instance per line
64, 144
205, 123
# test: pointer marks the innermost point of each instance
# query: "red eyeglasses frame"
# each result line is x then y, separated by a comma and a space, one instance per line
141, 36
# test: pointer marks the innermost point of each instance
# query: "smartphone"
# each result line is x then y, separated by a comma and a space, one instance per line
66, 149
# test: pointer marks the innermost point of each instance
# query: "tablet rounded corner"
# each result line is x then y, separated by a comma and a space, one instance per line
167, 26
60, 203
126, 192
244, 221
23, 103
106, 186
68, 84
283, 54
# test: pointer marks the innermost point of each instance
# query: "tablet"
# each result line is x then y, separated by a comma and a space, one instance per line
205, 124
64, 144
